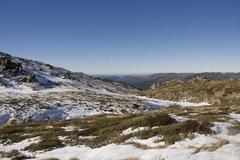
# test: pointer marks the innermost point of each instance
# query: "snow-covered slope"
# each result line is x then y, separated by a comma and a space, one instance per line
36, 91
36, 75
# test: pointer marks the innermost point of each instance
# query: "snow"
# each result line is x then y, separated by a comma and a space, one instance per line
49, 80
150, 142
165, 103
62, 137
197, 142
236, 117
54, 84
133, 130
180, 150
87, 137
221, 128
69, 128
16, 89
20, 145
179, 118
45, 108
4, 117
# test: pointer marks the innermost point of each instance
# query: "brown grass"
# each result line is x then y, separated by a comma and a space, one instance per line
107, 129
213, 147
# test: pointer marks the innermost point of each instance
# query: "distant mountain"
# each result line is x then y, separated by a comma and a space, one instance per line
145, 81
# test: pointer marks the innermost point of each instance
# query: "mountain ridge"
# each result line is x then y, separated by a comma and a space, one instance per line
143, 82
37, 75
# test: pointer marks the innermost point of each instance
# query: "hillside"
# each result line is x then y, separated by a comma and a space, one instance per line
33, 75
217, 92
35, 91
145, 81
47, 112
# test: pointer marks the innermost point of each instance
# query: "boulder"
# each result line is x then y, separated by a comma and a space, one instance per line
8, 67
27, 79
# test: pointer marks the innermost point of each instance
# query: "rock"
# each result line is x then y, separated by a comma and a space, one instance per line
49, 66
27, 79
9, 67
67, 75
155, 85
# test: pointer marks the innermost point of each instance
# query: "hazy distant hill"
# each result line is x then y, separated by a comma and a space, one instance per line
145, 81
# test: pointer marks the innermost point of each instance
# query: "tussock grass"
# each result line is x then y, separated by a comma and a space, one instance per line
234, 130
104, 129
10, 154
177, 131
212, 147
139, 145
14, 155
47, 143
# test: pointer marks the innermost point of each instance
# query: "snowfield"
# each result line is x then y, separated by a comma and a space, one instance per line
68, 103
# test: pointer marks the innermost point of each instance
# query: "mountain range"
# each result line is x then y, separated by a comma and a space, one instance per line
145, 81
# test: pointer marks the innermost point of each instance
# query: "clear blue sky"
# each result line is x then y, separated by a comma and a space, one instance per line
124, 36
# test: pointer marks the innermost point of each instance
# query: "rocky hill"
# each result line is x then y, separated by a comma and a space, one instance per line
23, 73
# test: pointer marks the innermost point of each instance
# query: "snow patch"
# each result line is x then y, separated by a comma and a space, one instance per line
133, 130
150, 142
179, 118
20, 145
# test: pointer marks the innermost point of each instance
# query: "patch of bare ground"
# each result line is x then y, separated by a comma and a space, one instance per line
212, 147
144, 146
234, 130
13, 155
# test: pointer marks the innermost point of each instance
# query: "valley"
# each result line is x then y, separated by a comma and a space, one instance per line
47, 112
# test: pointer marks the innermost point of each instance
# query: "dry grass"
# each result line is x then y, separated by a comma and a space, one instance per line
106, 129
234, 130
219, 92
132, 158
73, 159
212, 147
10, 154
138, 145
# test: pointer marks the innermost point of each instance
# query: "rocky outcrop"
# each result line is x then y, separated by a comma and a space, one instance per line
27, 79
76, 76
16, 71
8, 67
